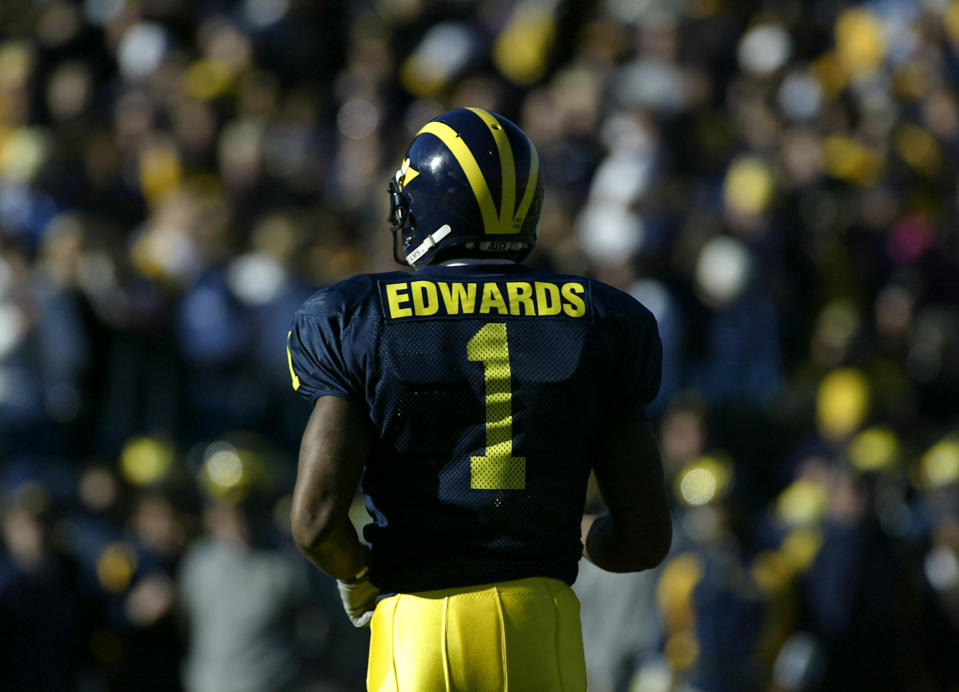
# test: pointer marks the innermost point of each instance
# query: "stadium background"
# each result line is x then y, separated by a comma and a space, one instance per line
776, 180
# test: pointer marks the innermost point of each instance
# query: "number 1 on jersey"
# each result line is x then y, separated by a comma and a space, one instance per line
498, 469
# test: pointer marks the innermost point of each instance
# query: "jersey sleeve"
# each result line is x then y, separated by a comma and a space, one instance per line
637, 383
319, 350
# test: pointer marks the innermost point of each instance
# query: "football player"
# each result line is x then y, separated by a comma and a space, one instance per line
473, 397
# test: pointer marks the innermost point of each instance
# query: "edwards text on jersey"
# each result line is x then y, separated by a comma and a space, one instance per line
423, 298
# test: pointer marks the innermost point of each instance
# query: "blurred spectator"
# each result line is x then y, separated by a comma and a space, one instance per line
153, 636
241, 599
621, 626
43, 629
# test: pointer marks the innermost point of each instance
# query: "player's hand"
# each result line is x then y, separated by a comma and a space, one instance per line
359, 597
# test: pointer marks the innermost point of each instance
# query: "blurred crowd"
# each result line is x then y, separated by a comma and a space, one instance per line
776, 180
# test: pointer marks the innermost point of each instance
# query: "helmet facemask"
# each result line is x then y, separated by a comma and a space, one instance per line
401, 220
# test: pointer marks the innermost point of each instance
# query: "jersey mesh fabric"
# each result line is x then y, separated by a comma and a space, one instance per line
431, 477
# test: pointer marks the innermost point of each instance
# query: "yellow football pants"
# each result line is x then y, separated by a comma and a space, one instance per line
522, 635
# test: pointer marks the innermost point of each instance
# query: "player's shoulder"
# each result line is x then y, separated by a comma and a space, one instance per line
607, 300
348, 296
614, 301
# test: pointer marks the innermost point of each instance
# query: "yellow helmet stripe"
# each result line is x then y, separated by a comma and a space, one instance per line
530, 191
507, 168
447, 135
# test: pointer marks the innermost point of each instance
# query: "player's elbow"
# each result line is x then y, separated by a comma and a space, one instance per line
656, 547
646, 546
630, 545
311, 526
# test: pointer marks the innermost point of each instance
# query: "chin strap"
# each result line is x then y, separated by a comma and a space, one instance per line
428, 244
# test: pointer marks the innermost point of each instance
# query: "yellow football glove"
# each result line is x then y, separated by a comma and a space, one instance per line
359, 597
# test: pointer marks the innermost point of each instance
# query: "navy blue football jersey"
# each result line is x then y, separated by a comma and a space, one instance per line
489, 389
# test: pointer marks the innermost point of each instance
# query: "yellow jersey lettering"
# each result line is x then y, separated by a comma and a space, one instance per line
396, 295
426, 298
425, 301
458, 297
547, 299
492, 298
574, 306
520, 294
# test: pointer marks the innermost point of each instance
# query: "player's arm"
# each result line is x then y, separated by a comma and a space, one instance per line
637, 531
333, 450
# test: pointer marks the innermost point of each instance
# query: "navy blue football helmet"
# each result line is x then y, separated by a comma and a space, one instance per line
469, 186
